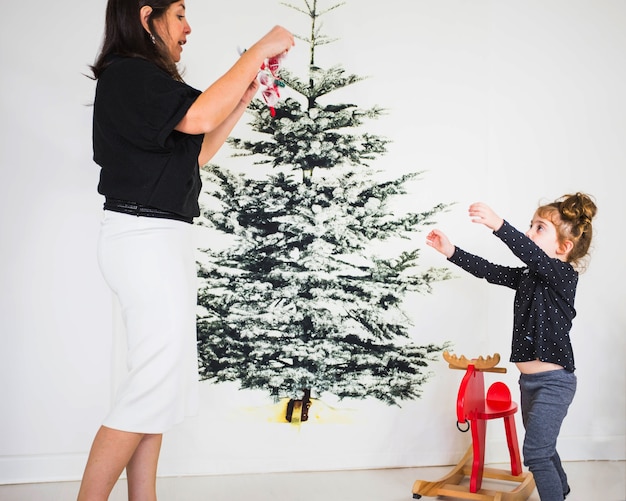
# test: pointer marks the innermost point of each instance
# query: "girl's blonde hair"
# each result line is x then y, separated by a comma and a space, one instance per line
572, 215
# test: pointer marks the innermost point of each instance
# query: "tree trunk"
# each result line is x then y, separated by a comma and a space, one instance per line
298, 410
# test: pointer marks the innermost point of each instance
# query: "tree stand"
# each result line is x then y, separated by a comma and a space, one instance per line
473, 409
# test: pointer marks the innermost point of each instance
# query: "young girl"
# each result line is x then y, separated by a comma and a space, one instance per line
558, 239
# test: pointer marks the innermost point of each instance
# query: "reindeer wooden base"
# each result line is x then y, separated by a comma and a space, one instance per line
474, 409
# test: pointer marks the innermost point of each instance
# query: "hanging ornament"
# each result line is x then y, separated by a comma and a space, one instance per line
270, 81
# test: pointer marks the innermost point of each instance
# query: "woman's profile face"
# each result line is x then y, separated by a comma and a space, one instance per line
174, 29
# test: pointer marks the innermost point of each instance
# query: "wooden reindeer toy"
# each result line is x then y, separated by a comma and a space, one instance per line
473, 409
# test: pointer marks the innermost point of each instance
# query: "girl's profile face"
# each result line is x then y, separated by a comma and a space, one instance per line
543, 232
174, 28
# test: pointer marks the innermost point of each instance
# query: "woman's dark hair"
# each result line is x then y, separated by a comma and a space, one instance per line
124, 35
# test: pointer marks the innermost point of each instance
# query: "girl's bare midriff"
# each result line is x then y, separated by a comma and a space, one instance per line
536, 366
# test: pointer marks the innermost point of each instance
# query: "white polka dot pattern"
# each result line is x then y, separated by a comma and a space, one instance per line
544, 299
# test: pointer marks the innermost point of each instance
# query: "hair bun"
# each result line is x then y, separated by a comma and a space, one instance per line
578, 207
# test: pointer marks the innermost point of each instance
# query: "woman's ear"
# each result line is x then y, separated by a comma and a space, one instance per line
144, 15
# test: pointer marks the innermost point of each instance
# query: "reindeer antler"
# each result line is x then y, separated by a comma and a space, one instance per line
482, 364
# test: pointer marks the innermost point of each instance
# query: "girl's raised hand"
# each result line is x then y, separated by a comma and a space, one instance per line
439, 241
483, 214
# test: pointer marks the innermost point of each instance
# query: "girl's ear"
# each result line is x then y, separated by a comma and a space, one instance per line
144, 15
565, 247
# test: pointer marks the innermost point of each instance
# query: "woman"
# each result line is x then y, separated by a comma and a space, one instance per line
151, 132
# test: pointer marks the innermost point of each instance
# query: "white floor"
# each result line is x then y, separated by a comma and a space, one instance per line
589, 480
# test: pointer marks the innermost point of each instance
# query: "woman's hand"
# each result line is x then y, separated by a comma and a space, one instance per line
250, 92
278, 41
439, 241
483, 214
219, 107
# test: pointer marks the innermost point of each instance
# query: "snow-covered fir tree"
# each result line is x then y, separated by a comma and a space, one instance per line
302, 303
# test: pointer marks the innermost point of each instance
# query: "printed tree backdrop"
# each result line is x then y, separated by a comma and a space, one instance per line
305, 301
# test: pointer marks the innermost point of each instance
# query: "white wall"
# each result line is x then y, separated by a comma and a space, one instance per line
507, 102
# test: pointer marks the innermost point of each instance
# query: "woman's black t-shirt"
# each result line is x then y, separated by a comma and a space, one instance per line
142, 158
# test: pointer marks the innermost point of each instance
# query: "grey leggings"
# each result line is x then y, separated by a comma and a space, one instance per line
545, 398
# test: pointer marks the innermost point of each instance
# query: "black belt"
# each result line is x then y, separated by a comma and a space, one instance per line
135, 209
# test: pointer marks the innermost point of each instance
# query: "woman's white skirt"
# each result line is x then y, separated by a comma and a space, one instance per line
149, 264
